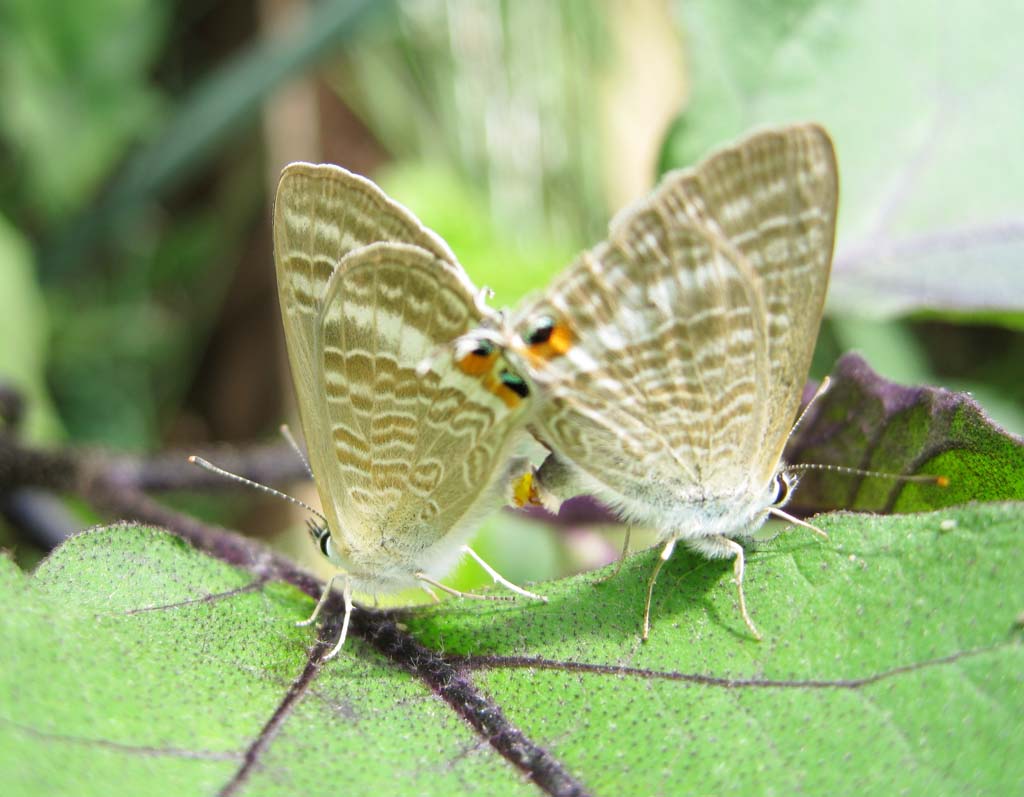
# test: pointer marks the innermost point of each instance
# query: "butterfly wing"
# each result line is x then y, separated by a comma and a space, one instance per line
775, 198
376, 432
402, 459
689, 332
322, 213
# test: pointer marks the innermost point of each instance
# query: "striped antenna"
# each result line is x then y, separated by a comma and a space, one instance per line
286, 433
205, 465
940, 481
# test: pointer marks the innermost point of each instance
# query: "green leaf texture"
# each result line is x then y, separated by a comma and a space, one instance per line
133, 664
865, 421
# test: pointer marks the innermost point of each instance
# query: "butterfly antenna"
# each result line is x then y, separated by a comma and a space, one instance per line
822, 388
941, 481
286, 433
921, 478
202, 463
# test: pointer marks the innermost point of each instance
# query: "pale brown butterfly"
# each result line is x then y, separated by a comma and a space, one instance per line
667, 363
406, 463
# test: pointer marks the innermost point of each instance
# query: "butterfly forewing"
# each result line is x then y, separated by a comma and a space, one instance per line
403, 458
693, 325
323, 212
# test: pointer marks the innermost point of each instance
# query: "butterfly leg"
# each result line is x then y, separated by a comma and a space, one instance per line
739, 563
320, 603
346, 594
500, 579
459, 594
666, 554
797, 521
622, 558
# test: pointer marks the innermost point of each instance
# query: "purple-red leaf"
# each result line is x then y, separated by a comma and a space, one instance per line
865, 421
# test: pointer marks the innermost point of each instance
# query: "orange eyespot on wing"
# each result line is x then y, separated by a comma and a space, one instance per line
547, 339
478, 362
507, 386
482, 362
560, 341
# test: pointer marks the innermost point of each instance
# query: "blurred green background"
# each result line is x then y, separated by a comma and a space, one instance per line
140, 143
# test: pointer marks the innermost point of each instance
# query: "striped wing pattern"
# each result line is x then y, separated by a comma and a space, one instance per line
401, 461
693, 324
408, 455
322, 213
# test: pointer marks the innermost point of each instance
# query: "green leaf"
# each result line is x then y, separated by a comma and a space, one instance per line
865, 421
890, 664
923, 109
892, 647
131, 659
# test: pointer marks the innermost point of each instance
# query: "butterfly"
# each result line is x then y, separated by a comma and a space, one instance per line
406, 462
667, 363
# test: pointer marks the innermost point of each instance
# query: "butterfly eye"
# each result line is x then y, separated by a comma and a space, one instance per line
540, 331
515, 383
783, 487
321, 536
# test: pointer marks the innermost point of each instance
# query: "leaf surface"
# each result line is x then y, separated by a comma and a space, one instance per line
891, 663
865, 421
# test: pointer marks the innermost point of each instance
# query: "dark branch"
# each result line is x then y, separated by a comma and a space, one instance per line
265, 464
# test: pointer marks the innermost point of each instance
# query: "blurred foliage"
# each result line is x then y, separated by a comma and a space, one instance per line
76, 89
504, 93
135, 262
508, 264
207, 117
23, 325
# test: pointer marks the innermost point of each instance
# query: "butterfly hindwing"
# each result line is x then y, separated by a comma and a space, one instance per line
405, 458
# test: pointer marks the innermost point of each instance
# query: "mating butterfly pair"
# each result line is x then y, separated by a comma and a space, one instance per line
662, 370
